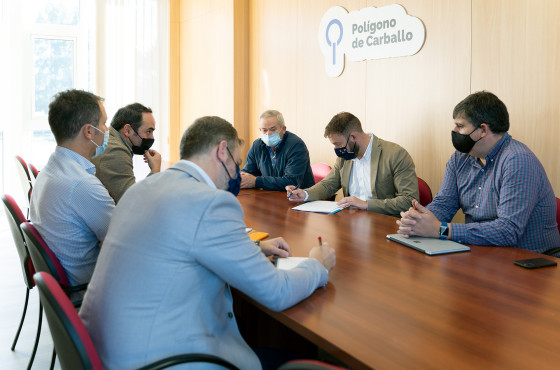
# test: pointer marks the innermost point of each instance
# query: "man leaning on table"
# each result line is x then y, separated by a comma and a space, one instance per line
174, 295
374, 174
279, 158
497, 181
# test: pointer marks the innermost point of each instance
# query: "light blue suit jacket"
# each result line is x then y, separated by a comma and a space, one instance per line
161, 286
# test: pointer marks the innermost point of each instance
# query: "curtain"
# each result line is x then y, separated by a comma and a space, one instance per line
133, 61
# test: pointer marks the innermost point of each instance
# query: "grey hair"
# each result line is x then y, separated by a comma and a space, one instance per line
273, 113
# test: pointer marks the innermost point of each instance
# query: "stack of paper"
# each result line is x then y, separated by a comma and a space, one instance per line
321, 206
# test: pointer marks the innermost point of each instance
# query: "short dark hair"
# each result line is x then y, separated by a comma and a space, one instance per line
343, 123
131, 114
70, 111
206, 132
484, 107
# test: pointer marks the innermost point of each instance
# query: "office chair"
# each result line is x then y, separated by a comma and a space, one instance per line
25, 177
308, 365
553, 251
320, 170
34, 173
72, 342
45, 260
425, 193
15, 218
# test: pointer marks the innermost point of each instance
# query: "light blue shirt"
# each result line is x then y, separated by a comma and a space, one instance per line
71, 209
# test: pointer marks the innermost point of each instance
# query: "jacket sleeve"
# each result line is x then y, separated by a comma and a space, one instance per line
116, 172
327, 187
405, 183
251, 163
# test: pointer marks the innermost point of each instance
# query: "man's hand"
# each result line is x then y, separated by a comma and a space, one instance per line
153, 159
276, 247
248, 181
352, 201
324, 254
418, 221
295, 195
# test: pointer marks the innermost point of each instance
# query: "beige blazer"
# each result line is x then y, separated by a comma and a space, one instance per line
393, 179
114, 167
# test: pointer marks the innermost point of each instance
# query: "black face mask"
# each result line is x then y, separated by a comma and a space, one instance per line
462, 142
345, 153
144, 145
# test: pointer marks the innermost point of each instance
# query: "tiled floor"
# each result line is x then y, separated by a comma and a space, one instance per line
12, 297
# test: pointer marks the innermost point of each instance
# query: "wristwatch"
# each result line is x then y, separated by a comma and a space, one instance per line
443, 230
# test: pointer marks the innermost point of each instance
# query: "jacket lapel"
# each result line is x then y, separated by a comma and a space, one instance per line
374, 164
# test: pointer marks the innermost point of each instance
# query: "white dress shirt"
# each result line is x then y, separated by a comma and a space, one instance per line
360, 178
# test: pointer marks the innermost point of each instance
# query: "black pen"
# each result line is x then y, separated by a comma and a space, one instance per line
297, 186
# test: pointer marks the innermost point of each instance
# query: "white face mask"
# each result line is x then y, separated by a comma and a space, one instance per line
271, 140
100, 149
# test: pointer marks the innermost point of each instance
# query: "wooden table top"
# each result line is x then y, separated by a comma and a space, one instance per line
389, 306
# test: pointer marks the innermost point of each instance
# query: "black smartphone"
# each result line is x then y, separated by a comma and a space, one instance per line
535, 263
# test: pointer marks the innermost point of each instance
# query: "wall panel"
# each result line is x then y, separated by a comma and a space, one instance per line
509, 47
516, 55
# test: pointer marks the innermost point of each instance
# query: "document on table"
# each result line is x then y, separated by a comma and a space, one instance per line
289, 263
321, 206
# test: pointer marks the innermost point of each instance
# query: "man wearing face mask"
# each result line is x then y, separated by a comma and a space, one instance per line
278, 159
181, 298
374, 174
69, 206
497, 181
131, 132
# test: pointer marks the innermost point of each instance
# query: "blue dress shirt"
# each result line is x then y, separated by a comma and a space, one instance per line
508, 202
71, 209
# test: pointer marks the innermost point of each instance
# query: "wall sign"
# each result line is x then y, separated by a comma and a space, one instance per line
369, 33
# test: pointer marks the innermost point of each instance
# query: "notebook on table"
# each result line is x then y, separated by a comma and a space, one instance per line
429, 246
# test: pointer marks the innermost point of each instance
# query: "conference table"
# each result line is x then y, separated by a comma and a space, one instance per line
389, 306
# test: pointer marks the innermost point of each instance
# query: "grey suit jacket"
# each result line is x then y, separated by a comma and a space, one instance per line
393, 179
161, 285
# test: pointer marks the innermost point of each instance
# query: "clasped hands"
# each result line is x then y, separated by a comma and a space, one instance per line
418, 221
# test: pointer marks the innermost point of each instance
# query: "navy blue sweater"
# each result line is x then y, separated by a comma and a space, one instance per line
292, 166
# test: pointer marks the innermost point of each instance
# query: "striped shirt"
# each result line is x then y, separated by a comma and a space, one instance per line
507, 202
71, 209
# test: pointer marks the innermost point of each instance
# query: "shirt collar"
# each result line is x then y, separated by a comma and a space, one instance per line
498, 147
79, 159
201, 172
367, 154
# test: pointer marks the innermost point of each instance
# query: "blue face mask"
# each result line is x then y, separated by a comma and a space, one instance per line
100, 149
271, 140
234, 184
345, 153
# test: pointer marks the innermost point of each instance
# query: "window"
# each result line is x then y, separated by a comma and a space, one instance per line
60, 55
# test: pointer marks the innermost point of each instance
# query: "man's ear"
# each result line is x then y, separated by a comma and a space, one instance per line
222, 151
87, 131
127, 130
485, 129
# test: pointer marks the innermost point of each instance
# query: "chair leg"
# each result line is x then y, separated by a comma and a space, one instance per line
53, 358
22, 318
37, 338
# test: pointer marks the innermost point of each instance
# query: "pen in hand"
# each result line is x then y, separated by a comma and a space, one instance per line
320, 241
297, 186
